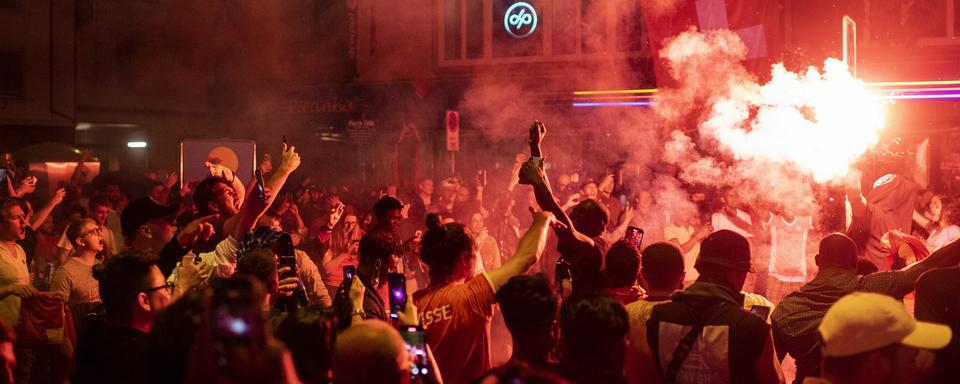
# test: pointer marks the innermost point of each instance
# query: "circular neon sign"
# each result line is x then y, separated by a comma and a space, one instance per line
520, 20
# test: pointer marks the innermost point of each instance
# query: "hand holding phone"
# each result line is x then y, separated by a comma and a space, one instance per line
415, 339
236, 323
634, 236
261, 188
348, 272
397, 284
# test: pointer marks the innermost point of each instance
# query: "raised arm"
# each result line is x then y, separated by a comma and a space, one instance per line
252, 208
528, 251
41, 215
290, 161
532, 172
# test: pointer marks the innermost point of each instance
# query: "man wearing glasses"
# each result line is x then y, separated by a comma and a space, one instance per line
73, 280
132, 290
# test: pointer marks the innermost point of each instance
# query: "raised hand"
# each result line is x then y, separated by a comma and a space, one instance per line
219, 171
335, 214
171, 179
543, 216
58, 196
537, 132
289, 159
409, 317
27, 186
200, 228
357, 291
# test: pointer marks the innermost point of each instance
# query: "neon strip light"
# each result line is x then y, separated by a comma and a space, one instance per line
616, 92
623, 98
949, 96
616, 104
871, 84
907, 90
909, 83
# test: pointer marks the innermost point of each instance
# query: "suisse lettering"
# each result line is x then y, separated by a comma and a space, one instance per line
436, 315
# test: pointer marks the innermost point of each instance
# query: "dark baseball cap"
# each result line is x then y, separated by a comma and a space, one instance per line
725, 248
140, 211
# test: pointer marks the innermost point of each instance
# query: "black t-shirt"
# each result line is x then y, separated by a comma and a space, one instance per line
585, 263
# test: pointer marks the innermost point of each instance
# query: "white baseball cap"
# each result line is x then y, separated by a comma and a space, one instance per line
861, 322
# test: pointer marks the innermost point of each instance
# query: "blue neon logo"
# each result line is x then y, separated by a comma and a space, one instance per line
520, 16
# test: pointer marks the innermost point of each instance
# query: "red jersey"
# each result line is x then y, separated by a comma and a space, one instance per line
456, 319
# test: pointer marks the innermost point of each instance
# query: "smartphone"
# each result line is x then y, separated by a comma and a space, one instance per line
283, 247
286, 257
483, 178
415, 340
349, 272
761, 311
3, 174
261, 190
234, 318
397, 284
634, 236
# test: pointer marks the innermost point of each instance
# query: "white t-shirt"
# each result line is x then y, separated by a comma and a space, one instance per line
942, 237
788, 247
682, 235
13, 271
720, 221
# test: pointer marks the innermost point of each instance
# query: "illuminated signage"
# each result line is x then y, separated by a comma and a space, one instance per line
520, 20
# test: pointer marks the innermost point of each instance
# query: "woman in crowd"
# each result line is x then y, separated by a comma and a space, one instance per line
947, 228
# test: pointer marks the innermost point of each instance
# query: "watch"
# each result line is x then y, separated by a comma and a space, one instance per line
358, 312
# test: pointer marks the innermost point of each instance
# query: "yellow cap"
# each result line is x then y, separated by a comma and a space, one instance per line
861, 322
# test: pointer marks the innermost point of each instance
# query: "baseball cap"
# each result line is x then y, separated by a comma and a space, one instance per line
862, 322
140, 211
725, 248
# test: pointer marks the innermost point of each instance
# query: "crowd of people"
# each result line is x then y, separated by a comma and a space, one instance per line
540, 280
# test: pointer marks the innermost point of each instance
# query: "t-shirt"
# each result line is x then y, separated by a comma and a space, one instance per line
638, 360
719, 220
74, 281
683, 234
456, 318
788, 247
586, 263
13, 271
943, 237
